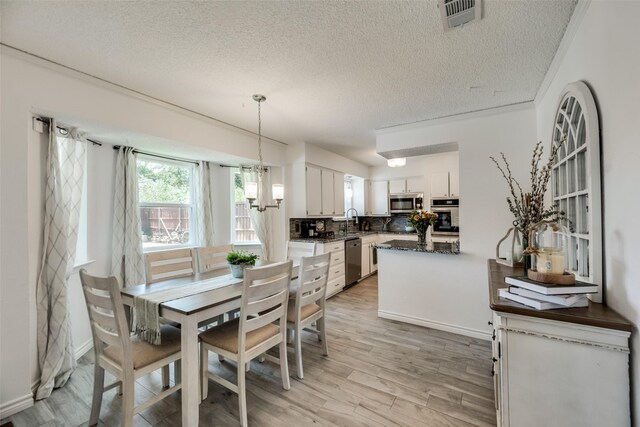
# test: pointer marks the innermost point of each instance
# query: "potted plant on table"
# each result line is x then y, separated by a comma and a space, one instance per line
421, 220
239, 260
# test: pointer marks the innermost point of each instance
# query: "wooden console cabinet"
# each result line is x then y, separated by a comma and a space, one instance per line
567, 367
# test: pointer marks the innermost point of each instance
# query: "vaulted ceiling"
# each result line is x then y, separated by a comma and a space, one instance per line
333, 72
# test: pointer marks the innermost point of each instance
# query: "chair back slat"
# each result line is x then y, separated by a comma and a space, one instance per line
313, 276
265, 296
106, 313
165, 265
213, 258
297, 250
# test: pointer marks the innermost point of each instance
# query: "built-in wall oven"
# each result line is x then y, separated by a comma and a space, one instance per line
448, 217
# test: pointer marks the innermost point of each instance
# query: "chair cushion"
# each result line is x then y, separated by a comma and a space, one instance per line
144, 354
305, 311
225, 336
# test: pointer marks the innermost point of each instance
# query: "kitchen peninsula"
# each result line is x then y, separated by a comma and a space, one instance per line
423, 285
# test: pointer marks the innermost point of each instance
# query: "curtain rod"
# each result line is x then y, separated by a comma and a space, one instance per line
266, 169
117, 147
47, 120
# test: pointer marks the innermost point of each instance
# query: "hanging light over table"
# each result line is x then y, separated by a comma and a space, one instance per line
253, 190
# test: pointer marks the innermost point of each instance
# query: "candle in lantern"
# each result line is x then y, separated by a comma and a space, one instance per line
550, 260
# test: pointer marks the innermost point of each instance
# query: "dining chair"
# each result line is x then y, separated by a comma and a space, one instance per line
126, 357
309, 304
213, 259
296, 250
261, 326
170, 264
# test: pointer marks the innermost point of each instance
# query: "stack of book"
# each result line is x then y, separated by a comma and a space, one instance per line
543, 296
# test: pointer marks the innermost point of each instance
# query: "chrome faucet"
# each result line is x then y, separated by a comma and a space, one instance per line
346, 216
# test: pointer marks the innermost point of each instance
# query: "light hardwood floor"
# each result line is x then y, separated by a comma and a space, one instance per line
378, 373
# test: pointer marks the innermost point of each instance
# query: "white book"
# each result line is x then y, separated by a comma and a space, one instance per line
549, 289
538, 305
566, 300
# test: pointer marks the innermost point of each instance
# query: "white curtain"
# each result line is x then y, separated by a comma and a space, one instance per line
204, 204
127, 259
63, 194
261, 221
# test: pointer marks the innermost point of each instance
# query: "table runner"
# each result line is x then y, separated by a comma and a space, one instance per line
146, 307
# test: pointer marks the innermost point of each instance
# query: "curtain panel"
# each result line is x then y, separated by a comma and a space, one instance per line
127, 259
63, 194
204, 204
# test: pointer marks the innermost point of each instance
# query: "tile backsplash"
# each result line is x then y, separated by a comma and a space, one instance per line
396, 223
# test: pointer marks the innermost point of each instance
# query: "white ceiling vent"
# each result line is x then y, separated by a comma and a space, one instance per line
455, 13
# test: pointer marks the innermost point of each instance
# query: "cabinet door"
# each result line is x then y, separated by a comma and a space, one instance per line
338, 194
366, 268
327, 192
397, 186
440, 184
314, 191
415, 184
454, 184
379, 198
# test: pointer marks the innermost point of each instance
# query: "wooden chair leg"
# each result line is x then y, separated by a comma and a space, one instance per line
323, 335
165, 376
128, 384
242, 396
284, 366
98, 390
298, 349
177, 371
204, 367
290, 336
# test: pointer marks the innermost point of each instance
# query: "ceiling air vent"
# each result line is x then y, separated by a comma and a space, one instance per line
458, 12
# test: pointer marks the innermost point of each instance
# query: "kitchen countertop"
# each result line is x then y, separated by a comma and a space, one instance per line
348, 236
431, 247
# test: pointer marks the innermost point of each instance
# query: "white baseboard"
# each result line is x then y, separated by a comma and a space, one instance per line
473, 333
16, 405
84, 348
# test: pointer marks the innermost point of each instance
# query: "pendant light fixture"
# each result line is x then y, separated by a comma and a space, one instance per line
253, 191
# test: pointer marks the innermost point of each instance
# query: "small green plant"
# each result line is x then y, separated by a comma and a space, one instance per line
241, 258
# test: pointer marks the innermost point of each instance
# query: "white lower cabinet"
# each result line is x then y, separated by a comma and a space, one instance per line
336, 268
552, 373
368, 267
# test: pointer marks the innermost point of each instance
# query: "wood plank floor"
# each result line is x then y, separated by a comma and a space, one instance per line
379, 373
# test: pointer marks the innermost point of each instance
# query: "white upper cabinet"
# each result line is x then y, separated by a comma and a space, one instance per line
445, 184
407, 185
314, 190
324, 192
379, 198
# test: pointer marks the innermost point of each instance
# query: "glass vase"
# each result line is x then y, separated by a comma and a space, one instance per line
422, 235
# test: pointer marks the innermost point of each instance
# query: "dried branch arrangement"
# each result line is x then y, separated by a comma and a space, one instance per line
528, 207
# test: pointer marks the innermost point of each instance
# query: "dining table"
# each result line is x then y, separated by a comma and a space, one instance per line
189, 311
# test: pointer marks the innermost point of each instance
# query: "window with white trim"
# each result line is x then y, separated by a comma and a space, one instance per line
165, 193
241, 228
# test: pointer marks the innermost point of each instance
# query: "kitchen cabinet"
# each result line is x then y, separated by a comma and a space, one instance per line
379, 198
558, 367
336, 279
324, 191
407, 185
445, 184
368, 267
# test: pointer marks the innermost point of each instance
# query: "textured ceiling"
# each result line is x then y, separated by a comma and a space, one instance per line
332, 72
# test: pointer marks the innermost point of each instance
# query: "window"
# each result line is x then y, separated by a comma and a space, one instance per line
165, 190
241, 228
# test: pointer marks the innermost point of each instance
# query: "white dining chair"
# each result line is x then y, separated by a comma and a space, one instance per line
261, 326
213, 259
308, 307
296, 250
171, 264
116, 351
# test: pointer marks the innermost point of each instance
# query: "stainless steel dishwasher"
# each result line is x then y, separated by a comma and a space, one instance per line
353, 260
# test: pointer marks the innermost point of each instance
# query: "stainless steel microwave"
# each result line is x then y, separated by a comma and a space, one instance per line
405, 202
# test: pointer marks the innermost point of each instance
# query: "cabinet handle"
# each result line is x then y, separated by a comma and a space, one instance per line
489, 323
493, 371
499, 351
494, 359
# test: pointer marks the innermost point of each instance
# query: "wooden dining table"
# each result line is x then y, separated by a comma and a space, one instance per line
189, 311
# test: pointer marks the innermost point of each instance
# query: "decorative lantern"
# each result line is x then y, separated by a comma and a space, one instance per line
548, 241
512, 256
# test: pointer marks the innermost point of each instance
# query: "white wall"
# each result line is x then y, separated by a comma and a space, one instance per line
604, 54
31, 86
484, 215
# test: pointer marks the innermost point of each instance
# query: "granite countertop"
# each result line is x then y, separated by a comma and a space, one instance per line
431, 247
353, 235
